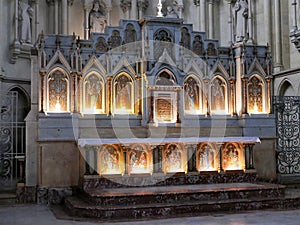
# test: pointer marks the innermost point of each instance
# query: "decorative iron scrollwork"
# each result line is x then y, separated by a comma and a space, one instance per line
287, 111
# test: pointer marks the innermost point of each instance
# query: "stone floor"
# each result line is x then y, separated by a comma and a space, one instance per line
42, 215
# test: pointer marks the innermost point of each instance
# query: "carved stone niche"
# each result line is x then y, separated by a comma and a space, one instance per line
98, 14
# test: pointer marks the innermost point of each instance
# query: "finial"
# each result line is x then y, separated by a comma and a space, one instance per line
159, 8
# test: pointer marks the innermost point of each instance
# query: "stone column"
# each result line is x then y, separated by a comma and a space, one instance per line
269, 108
51, 16
198, 13
230, 23
125, 6
70, 3
206, 106
56, 21
86, 23
108, 16
268, 21
294, 10
142, 5
220, 151
109, 96
203, 15
277, 33
16, 22
133, 10
232, 96
211, 19
191, 152
32, 146
74, 95
42, 75
64, 6
251, 156
245, 97
250, 22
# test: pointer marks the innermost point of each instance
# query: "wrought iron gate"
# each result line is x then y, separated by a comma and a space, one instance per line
287, 111
12, 142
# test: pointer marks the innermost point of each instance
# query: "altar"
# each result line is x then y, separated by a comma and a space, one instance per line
146, 156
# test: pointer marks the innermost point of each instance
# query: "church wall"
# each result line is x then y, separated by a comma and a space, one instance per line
292, 77
222, 27
259, 23
58, 164
77, 18
286, 43
265, 159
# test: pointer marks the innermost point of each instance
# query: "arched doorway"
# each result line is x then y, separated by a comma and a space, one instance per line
14, 108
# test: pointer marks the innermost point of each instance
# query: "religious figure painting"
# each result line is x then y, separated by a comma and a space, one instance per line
255, 95
137, 162
123, 94
218, 96
231, 158
58, 92
109, 161
93, 94
206, 159
191, 96
173, 160
97, 18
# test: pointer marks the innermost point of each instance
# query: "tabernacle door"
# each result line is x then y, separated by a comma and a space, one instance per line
165, 107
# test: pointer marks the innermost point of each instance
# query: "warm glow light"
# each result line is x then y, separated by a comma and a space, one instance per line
57, 106
255, 108
210, 168
123, 110
140, 169
194, 112
112, 171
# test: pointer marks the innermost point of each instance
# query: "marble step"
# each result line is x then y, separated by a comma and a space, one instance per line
76, 207
160, 179
181, 193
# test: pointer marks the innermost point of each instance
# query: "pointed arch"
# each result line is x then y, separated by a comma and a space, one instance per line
218, 93
58, 91
286, 89
93, 98
193, 95
58, 60
94, 65
123, 94
165, 77
256, 88
22, 102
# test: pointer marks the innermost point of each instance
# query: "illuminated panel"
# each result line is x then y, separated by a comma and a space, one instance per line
57, 92
139, 161
255, 95
207, 159
174, 160
165, 107
93, 95
232, 158
110, 161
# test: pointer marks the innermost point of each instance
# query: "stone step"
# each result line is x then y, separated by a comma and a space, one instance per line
76, 207
181, 193
160, 179
7, 198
